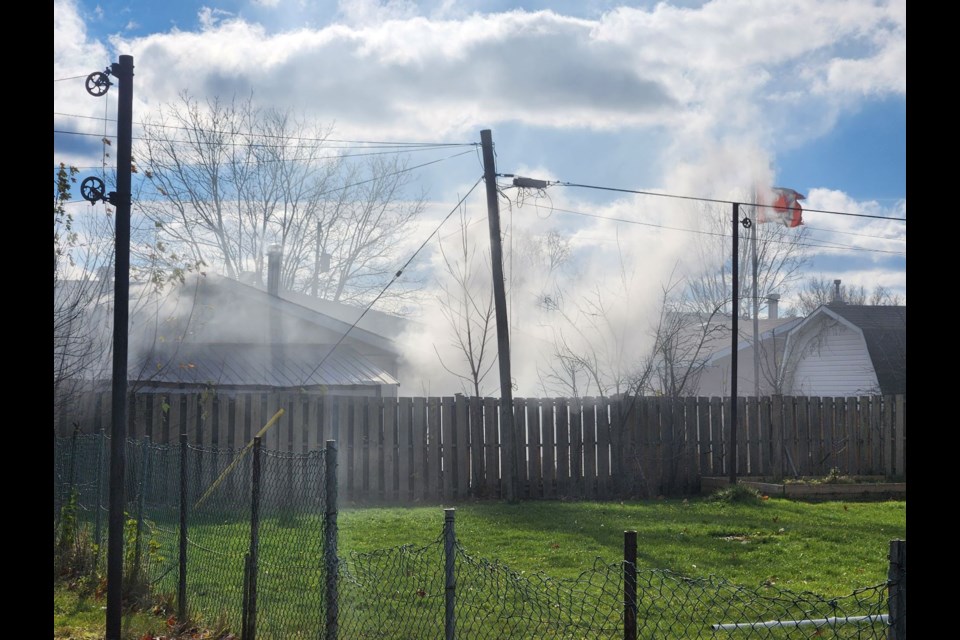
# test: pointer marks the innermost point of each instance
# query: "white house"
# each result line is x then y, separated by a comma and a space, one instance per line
845, 350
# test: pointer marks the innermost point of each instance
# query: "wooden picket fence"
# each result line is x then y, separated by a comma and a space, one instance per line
407, 450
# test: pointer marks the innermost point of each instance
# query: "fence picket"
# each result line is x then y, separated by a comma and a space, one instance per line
564, 472
549, 468
461, 448
426, 441
827, 416
475, 413
589, 448
390, 483
449, 461
576, 448
603, 448
533, 448
410, 441
492, 471
692, 479
435, 437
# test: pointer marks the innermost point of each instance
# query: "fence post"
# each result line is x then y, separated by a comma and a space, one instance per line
330, 561
630, 585
245, 602
897, 584
251, 617
449, 554
145, 465
97, 527
182, 582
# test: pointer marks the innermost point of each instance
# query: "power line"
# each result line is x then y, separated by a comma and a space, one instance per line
392, 280
362, 182
700, 199
850, 233
722, 234
364, 143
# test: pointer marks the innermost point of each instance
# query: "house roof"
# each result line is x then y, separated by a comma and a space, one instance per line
213, 329
257, 365
885, 332
765, 326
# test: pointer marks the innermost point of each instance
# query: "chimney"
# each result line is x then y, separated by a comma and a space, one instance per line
837, 299
773, 301
273, 269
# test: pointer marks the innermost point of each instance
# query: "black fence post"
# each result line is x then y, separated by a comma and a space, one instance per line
251, 617
897, 584
330, 561
245, 612
182, 582
138, 546
629, 585
73, 458
97, 532
449, 554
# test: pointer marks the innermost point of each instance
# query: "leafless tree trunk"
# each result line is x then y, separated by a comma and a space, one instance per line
467, 305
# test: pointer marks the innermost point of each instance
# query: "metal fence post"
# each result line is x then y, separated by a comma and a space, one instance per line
330, 561
251, 618
182, 582
145, 465
97, 527
629, 585
449, 554
245, 602
897, 583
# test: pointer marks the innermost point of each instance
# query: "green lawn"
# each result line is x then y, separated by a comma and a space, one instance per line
829, 549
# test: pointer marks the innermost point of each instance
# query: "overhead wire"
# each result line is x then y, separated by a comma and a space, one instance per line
719, 234
718, 201
254, 134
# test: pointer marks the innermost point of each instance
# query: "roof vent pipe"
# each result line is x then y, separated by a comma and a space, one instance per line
773, 301
274, 255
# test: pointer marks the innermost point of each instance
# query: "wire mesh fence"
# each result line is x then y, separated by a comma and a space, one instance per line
247, 540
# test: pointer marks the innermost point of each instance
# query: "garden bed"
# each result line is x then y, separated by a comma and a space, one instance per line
861, 488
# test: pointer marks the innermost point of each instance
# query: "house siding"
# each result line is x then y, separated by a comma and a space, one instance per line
831, 360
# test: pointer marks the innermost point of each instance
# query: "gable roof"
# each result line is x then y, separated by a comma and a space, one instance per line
885, 332
765, 326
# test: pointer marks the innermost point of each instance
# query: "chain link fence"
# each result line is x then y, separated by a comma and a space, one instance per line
247, 540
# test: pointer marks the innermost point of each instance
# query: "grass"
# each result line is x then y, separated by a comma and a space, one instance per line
828, 548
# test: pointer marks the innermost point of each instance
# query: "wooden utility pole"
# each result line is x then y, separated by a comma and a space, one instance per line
507, 432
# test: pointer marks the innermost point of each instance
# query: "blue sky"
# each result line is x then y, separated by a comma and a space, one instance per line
701, 99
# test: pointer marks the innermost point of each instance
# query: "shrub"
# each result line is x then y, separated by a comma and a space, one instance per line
737, 494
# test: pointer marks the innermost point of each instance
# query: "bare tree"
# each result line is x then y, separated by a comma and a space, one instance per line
818, 291
594, 345
228, 179
466, 303
683, 339
82, 269
781, 258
